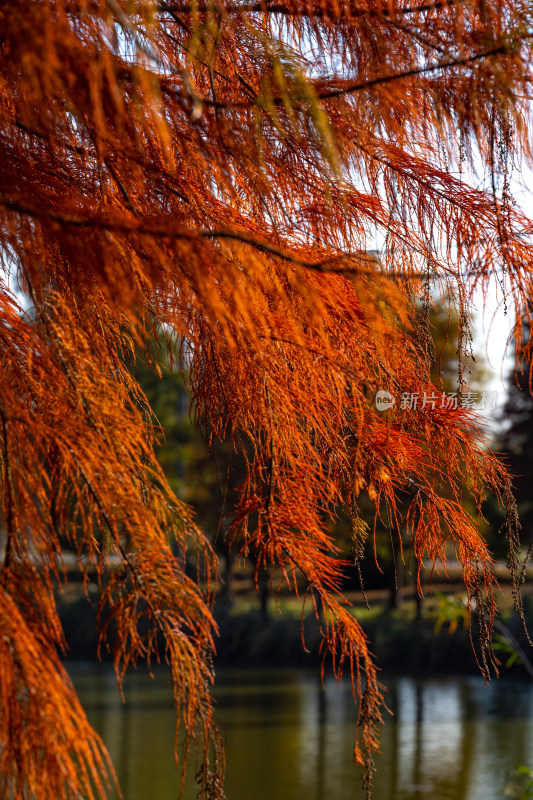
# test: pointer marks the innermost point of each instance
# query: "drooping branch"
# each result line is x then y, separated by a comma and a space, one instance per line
316, 12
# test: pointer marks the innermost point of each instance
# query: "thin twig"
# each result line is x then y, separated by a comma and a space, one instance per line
9, 502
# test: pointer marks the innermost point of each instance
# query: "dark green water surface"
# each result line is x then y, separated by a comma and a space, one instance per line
289, 739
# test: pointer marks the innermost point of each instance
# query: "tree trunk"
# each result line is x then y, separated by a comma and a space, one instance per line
228, 591
419, 600
263, 580
396, 595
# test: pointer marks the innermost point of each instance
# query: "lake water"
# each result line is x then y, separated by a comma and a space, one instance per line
288, 739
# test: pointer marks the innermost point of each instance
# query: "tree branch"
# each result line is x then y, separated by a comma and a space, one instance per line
317, 12
500, 49
137, 227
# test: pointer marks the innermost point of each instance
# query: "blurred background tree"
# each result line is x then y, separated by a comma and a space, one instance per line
516, 437
206, 476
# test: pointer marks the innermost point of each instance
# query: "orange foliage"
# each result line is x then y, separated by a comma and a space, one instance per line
220, 170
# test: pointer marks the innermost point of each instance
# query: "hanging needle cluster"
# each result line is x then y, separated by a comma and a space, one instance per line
225, 173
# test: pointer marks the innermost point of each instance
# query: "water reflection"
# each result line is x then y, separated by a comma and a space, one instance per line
287, 738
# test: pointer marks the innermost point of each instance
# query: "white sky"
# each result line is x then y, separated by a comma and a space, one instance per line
493, 325
492, 329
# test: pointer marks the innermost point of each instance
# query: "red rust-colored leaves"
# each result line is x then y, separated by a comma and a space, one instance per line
222, 171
